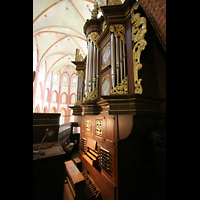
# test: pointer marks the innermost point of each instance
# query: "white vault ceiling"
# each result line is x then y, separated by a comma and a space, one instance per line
58, 31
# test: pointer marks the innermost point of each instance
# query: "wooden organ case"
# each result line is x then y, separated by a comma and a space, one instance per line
121, 81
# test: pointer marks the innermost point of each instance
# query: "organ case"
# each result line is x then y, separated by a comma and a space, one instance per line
117, 109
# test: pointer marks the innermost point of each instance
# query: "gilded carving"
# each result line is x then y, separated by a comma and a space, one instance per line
121, 88
106, 77
78, 56
114, 2
78, 102
88, 121
94, 36
80, 73
118, 30
138, 33
104, 26
92, 95
99, 127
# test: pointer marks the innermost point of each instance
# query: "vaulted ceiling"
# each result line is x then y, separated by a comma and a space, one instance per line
58, 31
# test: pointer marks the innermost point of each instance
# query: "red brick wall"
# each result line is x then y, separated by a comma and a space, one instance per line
156, 13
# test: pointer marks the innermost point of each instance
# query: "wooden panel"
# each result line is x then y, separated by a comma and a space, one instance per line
110, 130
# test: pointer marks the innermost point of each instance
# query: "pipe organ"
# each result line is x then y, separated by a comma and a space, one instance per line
121, 86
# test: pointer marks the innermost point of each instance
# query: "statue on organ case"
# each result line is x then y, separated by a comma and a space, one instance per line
95, 11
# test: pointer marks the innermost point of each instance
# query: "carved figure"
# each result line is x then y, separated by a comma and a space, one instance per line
95, 11
78, 57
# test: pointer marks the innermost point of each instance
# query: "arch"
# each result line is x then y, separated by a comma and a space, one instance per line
63, 112
64, 98
45, 110
68, 78
72, 98
54, 96
37, 109
74, 80
53, 110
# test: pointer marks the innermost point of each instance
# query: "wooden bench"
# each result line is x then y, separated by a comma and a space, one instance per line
75, 180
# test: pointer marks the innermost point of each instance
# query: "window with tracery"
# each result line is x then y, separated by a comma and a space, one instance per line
74, 80
64, 78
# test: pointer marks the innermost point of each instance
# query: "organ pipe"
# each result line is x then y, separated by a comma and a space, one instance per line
117, 58
113, 60
90, 66
94, 67
97, 69
124, 60
86, 70
121, 59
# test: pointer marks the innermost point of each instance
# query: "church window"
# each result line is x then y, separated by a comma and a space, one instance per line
64, 78
74, 80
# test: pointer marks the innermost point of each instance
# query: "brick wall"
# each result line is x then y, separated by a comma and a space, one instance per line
156, 13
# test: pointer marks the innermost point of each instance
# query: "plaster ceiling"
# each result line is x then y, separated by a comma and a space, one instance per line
58, 31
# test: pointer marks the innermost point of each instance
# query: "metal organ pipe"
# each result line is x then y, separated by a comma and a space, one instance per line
94, 67
124, 60
86, 70
113, 60
90, 66
97, 69
117, 58
121, 59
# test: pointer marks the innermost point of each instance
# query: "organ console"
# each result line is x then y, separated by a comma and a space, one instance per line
123, 95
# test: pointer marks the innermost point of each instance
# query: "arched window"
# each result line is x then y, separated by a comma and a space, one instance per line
54, 96
63, 98
62, 116
73, 98
65, 78
74, 80
55, 77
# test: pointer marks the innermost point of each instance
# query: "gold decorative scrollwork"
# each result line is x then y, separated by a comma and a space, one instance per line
99, 127
138, 33
93, 37
118, 30
106, 77
104, 26
78, 102
114, 2
121, 88
93, 95
80, 73
88, 121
